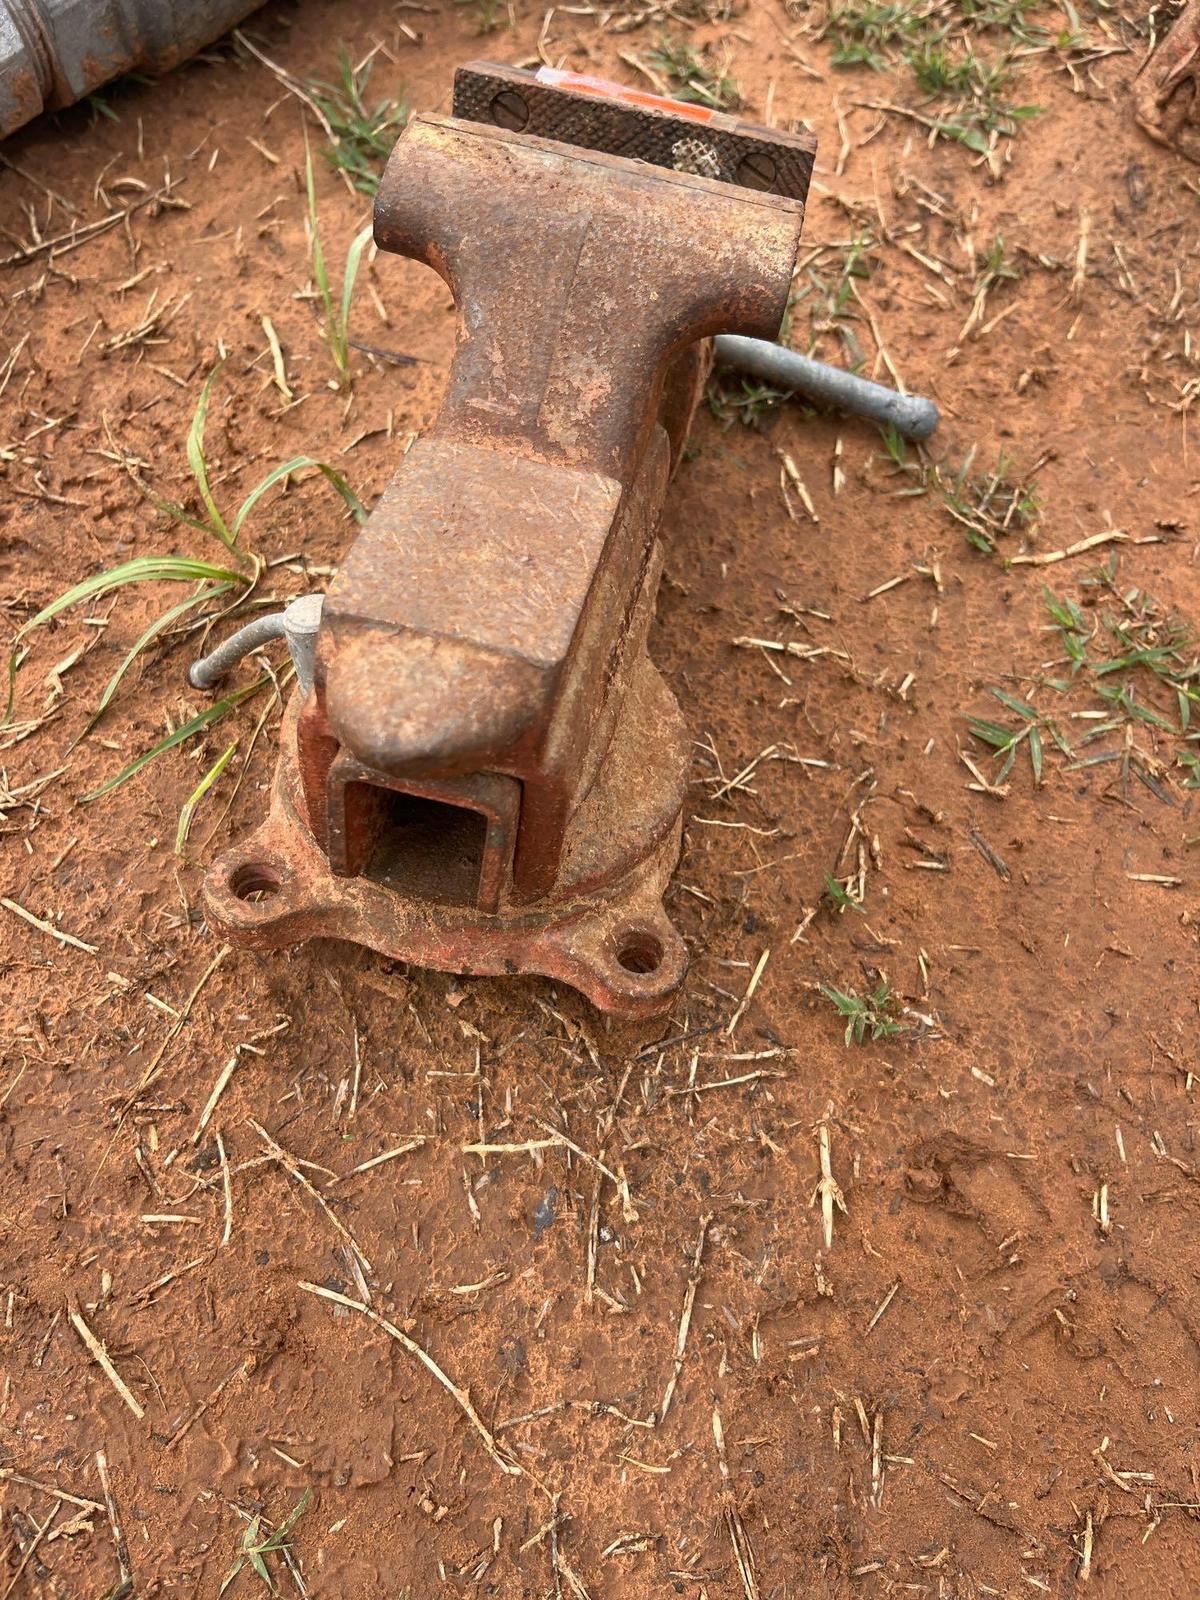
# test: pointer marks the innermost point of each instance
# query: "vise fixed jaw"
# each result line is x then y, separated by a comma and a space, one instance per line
488, 773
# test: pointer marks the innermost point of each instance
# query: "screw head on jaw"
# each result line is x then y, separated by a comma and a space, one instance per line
757, 170
510, 110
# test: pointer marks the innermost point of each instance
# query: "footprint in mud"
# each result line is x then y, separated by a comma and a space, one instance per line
208, 1458
971, 1179
1130, 1319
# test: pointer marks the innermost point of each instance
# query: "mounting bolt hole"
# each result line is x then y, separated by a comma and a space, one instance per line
640, 952
254, 882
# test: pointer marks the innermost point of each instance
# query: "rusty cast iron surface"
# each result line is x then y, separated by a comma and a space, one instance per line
488, 773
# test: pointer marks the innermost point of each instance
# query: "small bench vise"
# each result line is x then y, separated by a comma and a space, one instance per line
483, 772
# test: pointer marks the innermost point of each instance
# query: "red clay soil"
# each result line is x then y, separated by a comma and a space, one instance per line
985, 1381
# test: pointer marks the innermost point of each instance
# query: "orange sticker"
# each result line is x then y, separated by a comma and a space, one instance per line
604, 89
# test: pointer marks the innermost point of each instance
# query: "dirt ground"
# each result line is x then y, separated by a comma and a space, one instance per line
983, 1378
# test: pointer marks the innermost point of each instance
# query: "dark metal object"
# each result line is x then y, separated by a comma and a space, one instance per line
489, 772
53, 52
910, 414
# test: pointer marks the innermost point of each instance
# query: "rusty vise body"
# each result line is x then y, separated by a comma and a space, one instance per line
487, 774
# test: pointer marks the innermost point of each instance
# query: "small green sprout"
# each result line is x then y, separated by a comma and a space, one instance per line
838, 895
254, 1549
865, 1012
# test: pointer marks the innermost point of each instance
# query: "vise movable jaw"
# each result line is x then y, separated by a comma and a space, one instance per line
488, 773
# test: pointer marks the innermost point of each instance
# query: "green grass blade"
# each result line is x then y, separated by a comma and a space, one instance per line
159, 625
318, 255
1155, 659
846, 1004
199, 464
279, 1537
1103, 759
353, 256
285, 470
1022, 707
209, 715
231, 1575
143, 569
991, 733
335, 333
193, 800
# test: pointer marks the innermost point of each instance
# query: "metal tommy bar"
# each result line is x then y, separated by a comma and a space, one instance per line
911, 414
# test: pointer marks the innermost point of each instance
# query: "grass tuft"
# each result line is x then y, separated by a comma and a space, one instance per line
694, 76
873, 1013
487, 14
937, 43
255, 1548
336, 313
826, 290
363, 134
1143, 692
1072, 627
837, 895
212, 583
988, 505
1027, 729
734, 397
